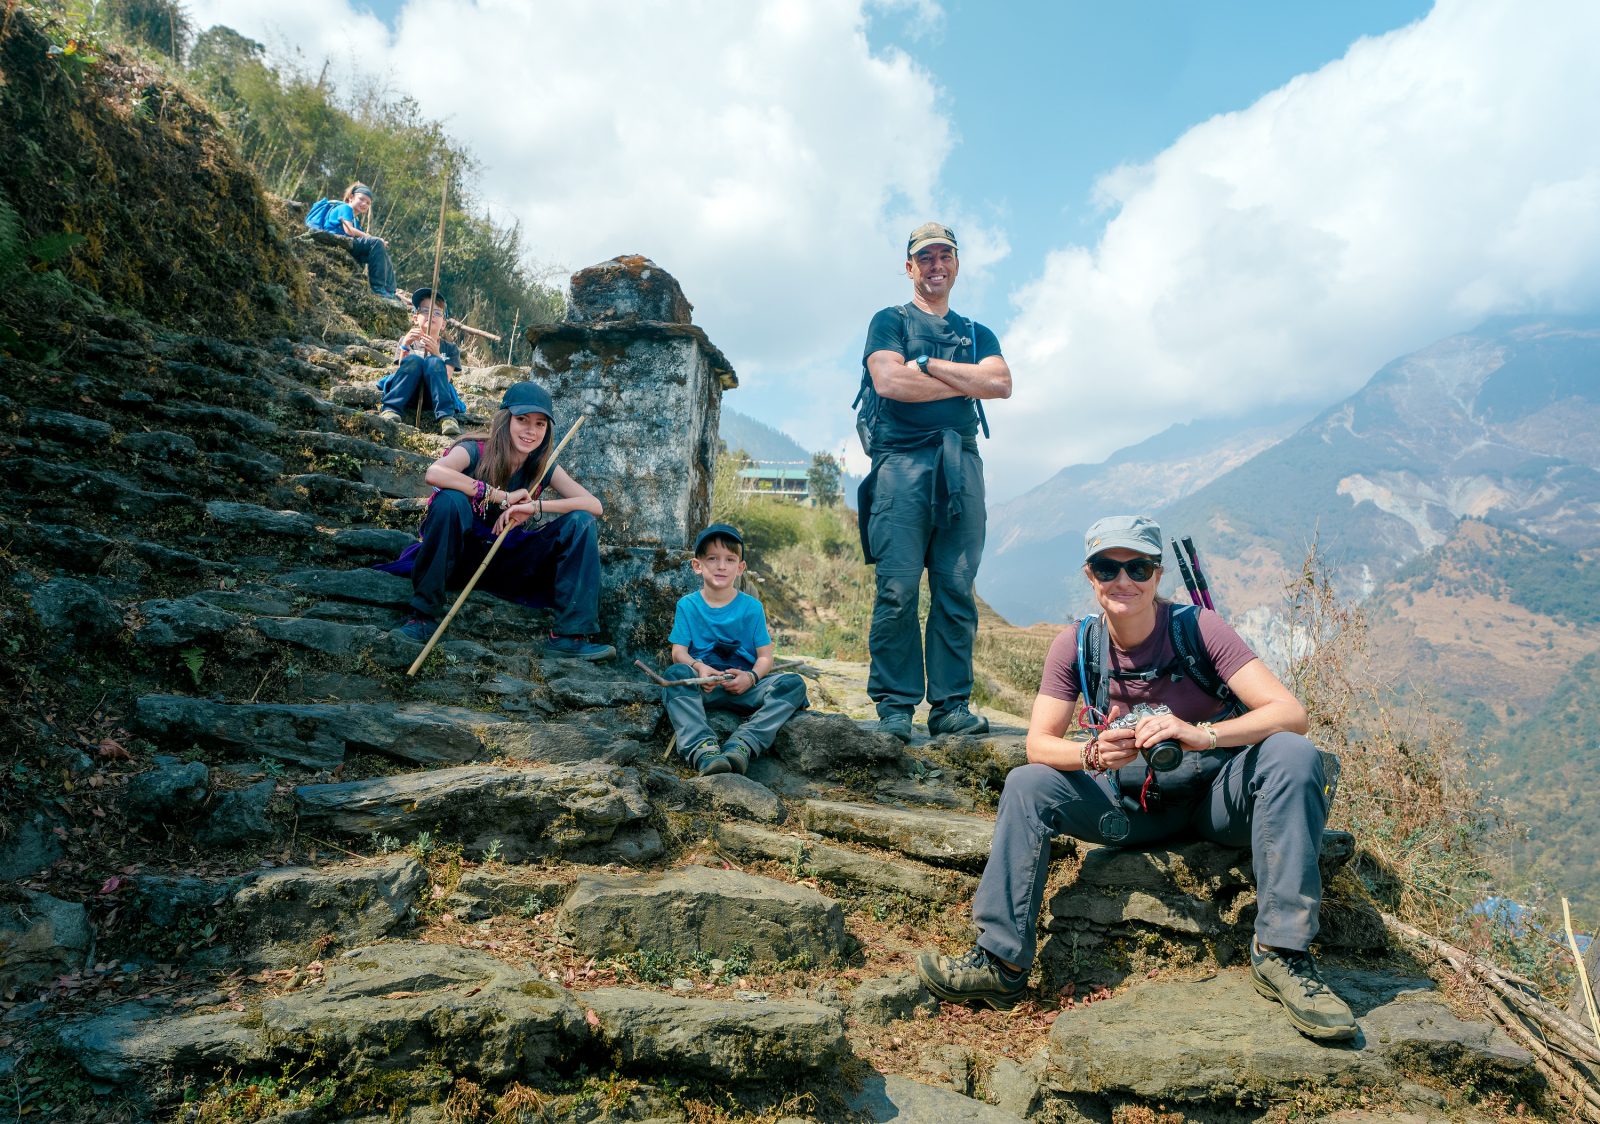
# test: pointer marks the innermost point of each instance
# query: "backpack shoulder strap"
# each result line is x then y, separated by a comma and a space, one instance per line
1192, 657
1094, 652
972, 334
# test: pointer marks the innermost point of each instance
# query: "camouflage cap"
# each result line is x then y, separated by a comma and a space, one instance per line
930, 234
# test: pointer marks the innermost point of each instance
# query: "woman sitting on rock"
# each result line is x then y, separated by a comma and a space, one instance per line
1237, 770
486, 482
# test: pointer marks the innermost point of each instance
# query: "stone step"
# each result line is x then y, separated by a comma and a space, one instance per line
403, 1006
86, 552
274, 918
1196, 889
699, 910
860, 870
394, 472
316, 735
942, 838
584, 812
895, 1097
1216, 1040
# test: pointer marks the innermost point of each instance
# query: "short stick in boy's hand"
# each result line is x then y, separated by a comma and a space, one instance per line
662, 681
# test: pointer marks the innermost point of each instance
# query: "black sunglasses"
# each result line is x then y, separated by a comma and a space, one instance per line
1139, 569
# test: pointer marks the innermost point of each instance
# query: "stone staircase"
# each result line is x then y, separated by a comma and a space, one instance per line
489, 889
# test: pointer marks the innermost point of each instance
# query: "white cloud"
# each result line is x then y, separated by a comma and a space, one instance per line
1431, 177
759, 151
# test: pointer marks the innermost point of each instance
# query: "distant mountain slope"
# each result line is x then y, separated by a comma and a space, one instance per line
760, 440
1030, 571
1501, 423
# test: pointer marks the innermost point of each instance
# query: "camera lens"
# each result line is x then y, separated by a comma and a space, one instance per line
1164, 756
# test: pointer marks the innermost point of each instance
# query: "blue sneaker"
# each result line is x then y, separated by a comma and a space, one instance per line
418, 628
738, 755
707, 759
577, 648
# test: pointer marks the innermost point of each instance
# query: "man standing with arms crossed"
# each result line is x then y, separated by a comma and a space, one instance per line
922, 505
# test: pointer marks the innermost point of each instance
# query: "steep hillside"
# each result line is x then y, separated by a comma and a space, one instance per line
1029, 569
760, 440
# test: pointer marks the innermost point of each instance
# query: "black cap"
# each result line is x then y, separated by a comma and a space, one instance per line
360, 189
726, 530
422, 294
528, 398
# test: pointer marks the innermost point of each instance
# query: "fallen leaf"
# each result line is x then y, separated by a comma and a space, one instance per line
400, 995
111, 885
591, 1018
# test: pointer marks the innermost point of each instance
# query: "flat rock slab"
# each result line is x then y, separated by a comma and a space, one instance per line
840, 864
1217, 1040
487, 891
911, 1102
822, 744
734, 795
1194, 889
134, 1040
41, 937
737, 1041
397, 1005
284, 912
373, 587
942, 838
698, 909
318, 735
530, 811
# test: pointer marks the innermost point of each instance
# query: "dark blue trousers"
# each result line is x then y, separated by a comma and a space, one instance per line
373, 254
555, 565
427, 375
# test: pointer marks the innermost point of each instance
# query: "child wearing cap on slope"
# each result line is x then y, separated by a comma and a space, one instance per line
551, 556
720, 631
425, 361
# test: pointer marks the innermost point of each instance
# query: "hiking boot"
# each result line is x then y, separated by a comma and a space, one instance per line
707, 759
449, 426
975, 977
389, 415
577, 648
957, 719
896, 726
738, 755
418, 628
1291, 978
394, 299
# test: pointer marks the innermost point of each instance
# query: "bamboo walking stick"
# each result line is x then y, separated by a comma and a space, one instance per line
438, 254
544, 467
1583, 973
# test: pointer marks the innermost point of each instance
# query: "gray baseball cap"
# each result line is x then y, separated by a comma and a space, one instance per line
1130, 532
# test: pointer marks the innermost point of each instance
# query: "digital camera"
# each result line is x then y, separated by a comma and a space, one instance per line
1164, 756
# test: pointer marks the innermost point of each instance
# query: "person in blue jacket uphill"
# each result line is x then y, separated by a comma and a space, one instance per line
343, 221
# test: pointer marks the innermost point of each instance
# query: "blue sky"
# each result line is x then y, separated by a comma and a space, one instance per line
1168, 211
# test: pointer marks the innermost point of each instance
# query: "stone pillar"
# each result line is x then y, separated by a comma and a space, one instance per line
651, 382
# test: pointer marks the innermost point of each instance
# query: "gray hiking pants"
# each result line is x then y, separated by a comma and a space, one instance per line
906, 539
1267, 797
769, 704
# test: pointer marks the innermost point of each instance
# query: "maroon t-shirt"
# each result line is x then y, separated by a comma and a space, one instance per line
1185, 697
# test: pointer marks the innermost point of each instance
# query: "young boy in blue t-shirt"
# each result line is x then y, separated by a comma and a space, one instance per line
720, 631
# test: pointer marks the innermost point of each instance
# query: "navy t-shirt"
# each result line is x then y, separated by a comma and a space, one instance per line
954, 338
724, 636
519, 478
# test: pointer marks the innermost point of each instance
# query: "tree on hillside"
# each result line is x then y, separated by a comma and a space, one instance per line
822, 479
161, 24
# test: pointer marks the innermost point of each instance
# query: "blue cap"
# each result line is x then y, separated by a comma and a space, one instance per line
726, 530
528, 398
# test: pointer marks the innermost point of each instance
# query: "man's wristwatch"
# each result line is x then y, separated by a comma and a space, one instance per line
922, 363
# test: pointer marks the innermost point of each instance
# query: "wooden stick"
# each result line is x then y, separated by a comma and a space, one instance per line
515, 320
454, 323
438, 242
1583, 973
663, 681
1582, 1092
544, 467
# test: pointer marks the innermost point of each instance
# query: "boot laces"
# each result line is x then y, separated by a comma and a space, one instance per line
1304, 969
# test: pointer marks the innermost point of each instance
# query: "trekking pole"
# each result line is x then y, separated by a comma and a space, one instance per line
1188, 575
544, 467
512, 346
1199, 574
